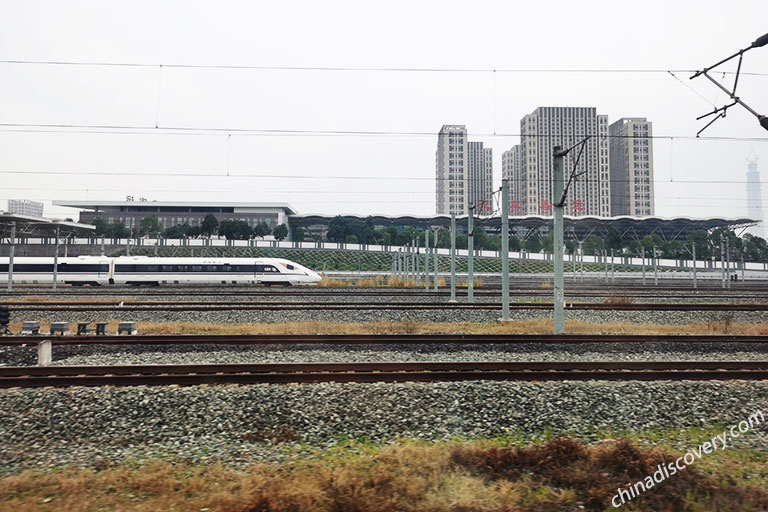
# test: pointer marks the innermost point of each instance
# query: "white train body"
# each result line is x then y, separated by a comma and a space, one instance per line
144, 270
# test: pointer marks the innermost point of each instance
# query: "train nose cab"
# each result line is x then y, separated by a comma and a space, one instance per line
314, 277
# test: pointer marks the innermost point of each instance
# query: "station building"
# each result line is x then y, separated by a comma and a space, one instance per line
172, 213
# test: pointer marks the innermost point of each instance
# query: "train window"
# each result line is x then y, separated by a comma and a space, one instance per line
290, 267
197, 268
211, 268
167, 268
151, 268
269, 268
227, 268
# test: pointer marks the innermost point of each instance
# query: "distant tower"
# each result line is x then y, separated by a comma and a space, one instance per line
754, 200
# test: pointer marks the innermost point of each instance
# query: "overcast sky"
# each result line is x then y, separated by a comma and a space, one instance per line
214, 123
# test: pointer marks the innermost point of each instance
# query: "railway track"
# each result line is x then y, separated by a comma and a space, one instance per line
154, 375
392, 339
358, 306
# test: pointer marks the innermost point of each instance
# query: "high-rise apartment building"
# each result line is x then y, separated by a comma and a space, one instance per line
631, 148
754, 198
25, 207
463, 171
529, 165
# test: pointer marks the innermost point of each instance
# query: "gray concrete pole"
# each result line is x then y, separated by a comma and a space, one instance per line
102, 245
642, 252
557, 242
11, 251
426, 260
728, 261
742, 266
416, 273
694, 265
504, 250
655, 270
436, 262
722, 262
471, 256
56, 260
453, 257
605, 264
613, 274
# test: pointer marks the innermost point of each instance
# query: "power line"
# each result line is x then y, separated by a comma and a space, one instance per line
146, 130
221, 174
352, 68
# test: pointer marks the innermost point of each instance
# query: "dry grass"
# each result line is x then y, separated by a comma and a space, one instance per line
718, 325
618, 299
418, 477
476, 283
327, 281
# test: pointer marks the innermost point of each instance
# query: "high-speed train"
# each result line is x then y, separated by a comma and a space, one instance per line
150, 271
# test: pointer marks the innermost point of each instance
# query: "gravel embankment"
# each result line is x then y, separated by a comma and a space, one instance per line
45, 428
372, 315
97, 355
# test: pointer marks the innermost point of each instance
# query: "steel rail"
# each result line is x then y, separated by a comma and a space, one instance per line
60, 376
373, 306
392, 339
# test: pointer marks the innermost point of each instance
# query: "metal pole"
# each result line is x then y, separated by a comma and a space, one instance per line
581, 261
436, 256
694, 265
742, 265
722, 262
416, 274
11, 251
655, 273
453, 257
504, 250
471, 256
102, 245
728, 260
56, 260
557, 241
426, 260
605, 264
613, 274
642, 252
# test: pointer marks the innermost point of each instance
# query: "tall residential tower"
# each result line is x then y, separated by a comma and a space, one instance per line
463, 172
529, 165
631, 167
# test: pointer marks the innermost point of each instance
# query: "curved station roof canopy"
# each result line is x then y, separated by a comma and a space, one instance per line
669, 228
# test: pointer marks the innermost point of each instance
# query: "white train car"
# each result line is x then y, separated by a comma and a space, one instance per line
150, 271
92, 270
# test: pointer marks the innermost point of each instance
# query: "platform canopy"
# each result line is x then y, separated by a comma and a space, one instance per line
668, 228
27, 226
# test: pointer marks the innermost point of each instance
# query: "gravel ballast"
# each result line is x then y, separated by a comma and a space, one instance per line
45, 428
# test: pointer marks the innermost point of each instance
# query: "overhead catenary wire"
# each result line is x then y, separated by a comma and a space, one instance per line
181, 130
221, 174
400, 69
